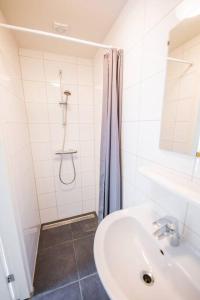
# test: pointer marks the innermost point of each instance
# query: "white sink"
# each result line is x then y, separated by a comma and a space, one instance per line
124, 247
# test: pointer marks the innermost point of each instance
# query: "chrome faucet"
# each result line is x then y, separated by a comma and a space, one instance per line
168, 226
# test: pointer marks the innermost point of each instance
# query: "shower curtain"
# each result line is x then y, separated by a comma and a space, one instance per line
110, 193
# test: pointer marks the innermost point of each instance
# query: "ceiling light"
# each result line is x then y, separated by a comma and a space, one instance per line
188, 9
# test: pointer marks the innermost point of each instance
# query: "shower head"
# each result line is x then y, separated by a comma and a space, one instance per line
67, 93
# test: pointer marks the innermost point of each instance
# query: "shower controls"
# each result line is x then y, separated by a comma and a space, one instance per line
69, 151
63, 152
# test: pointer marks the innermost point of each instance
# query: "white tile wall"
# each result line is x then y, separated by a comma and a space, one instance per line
32, 68
15, 142
142, 30
42, 94
47, 200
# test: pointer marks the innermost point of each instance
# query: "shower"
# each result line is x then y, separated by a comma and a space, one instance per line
63, 152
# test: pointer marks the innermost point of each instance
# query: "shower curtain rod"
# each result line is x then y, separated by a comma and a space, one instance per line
179, 60
55, 35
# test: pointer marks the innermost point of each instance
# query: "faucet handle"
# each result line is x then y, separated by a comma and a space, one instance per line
171, 222
168, 226
161, 232
161, 222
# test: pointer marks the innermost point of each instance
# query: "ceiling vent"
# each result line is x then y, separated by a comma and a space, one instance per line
61, 28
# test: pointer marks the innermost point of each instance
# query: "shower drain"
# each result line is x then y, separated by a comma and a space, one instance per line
147, 278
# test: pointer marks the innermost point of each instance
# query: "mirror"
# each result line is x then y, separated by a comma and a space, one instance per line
180, 126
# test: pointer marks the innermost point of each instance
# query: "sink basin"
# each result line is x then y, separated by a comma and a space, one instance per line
133, 265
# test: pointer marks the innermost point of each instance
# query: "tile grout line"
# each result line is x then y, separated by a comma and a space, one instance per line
85, 277
88, 276
77, 270
55, 289
80, 290
68, 241
66, 285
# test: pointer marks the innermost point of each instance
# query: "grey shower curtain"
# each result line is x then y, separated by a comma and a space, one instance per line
110, 194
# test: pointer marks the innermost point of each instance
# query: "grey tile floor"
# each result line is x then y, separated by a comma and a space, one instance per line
65, 268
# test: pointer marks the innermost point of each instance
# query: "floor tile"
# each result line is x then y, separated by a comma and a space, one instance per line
55, 236
84, 256
70, 292
55, 267
84, 228
92, 288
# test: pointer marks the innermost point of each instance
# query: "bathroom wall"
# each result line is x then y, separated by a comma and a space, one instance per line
14, 138
40, 73
180, 125
142, 30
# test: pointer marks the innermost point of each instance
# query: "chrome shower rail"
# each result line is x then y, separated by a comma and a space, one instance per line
55, 35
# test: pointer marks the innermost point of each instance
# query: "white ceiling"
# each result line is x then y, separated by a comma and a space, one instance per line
87, 19
184, 31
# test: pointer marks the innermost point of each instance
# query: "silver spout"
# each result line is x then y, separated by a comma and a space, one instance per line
168, 226
161, 232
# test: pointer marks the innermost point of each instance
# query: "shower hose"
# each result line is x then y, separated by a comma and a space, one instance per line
61, 163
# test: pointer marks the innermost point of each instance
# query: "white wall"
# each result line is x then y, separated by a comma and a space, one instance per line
14, 138
4, 291
40, 72
142, 30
